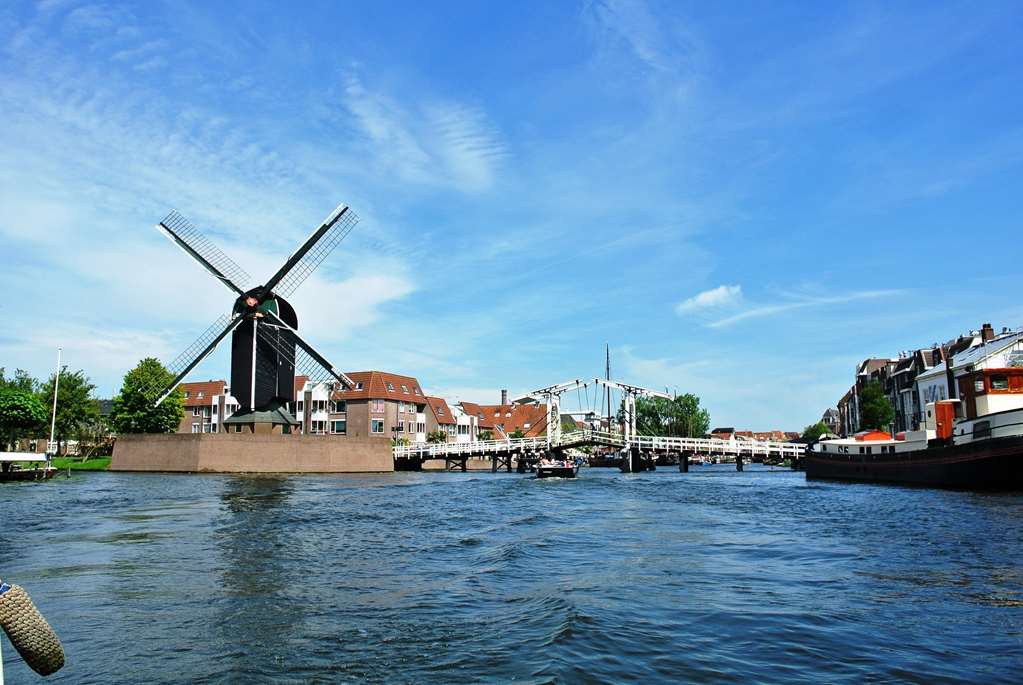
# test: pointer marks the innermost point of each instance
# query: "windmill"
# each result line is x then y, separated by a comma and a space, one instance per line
266, 349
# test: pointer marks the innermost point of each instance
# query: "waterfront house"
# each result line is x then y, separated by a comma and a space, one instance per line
207, 405
443, 416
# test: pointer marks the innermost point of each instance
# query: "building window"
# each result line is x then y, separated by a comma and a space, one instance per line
317, 427
339, 427
238, 428
1000, 382
201, 394
377, 406
358, 385
339, 407
196, 411
404, 388
207, 428
214, 410
377, 426
526, 426
186, 394
421, 428
440, 411
401, 425
195, 428
390, 386
213, 428
298, 405
416, 390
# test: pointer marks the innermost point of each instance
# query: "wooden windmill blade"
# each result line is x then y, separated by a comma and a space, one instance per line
313, 251
196, 352
186, 236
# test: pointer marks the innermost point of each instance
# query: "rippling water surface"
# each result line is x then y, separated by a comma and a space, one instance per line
711, 576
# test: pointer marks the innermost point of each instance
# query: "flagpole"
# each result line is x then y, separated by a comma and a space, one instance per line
51, 449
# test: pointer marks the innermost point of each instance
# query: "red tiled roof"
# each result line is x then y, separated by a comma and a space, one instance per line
381, 385
441, 410
300, 382
520, 414
484, 422
207, 388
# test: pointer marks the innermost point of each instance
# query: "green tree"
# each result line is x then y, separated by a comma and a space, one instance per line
437, 436
678, 417
875, 410
21, 413
75, 406
485, 435
814, 432
517, 434
20, 381
134, 409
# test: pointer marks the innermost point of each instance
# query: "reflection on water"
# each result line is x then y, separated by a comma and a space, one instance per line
662, 577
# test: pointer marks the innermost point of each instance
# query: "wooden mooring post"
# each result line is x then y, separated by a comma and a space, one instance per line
738, 461
683, 462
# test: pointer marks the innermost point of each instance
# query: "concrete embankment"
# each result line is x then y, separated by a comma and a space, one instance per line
247, 453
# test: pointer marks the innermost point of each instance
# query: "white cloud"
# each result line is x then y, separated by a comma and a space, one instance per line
720, 296
444, 143
771, 309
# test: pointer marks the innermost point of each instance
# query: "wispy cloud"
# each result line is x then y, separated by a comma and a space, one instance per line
444, 143
802, 303
721, 296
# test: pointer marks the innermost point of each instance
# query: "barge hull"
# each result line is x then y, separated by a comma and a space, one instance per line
995, 464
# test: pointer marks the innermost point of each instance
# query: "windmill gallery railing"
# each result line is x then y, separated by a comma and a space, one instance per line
582, 438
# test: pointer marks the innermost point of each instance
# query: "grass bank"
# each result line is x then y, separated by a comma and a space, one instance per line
76, 464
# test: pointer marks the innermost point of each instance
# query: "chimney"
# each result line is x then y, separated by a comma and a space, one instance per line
504, 397
987, 333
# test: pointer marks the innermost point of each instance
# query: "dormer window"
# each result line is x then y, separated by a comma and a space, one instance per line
416, 390
497, 413
358, 385
187, 394
404, 388
390, 386
201, 394
440, 410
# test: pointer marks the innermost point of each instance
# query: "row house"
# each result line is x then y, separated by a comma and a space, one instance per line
501, 420
444, 417
378, 405
914, 379
983, 376
466, 424
207, 404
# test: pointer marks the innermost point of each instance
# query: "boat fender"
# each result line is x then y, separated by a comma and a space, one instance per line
28, 631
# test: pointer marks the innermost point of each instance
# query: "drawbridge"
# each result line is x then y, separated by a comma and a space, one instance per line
633, 451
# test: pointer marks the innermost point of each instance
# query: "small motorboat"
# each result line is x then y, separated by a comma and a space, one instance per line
557, 468
12, 467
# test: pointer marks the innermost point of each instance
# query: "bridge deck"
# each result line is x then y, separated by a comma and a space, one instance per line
583, 438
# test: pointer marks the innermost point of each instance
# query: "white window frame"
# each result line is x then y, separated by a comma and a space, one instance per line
373, 424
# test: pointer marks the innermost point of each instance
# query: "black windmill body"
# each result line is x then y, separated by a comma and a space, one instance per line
266, 348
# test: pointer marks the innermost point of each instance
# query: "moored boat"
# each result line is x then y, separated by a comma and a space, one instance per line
975, 442
12, 469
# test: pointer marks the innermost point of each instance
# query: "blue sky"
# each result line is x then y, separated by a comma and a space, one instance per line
742, 199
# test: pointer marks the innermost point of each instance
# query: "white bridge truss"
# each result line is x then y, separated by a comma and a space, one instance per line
642, 443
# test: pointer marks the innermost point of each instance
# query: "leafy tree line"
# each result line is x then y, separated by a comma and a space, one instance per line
26, 406
681, 417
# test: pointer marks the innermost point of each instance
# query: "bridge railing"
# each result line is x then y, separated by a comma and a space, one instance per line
751, 447
439, 450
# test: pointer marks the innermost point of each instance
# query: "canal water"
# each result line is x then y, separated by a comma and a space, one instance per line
707, 577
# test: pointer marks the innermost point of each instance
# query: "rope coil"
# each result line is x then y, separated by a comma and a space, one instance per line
29, 632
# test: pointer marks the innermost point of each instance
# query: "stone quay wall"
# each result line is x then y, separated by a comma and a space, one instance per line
248, 453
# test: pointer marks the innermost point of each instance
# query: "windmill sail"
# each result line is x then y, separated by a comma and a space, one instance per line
196, 352
313, 251
199, 247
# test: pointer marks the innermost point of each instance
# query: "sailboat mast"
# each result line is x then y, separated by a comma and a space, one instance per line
51, 448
